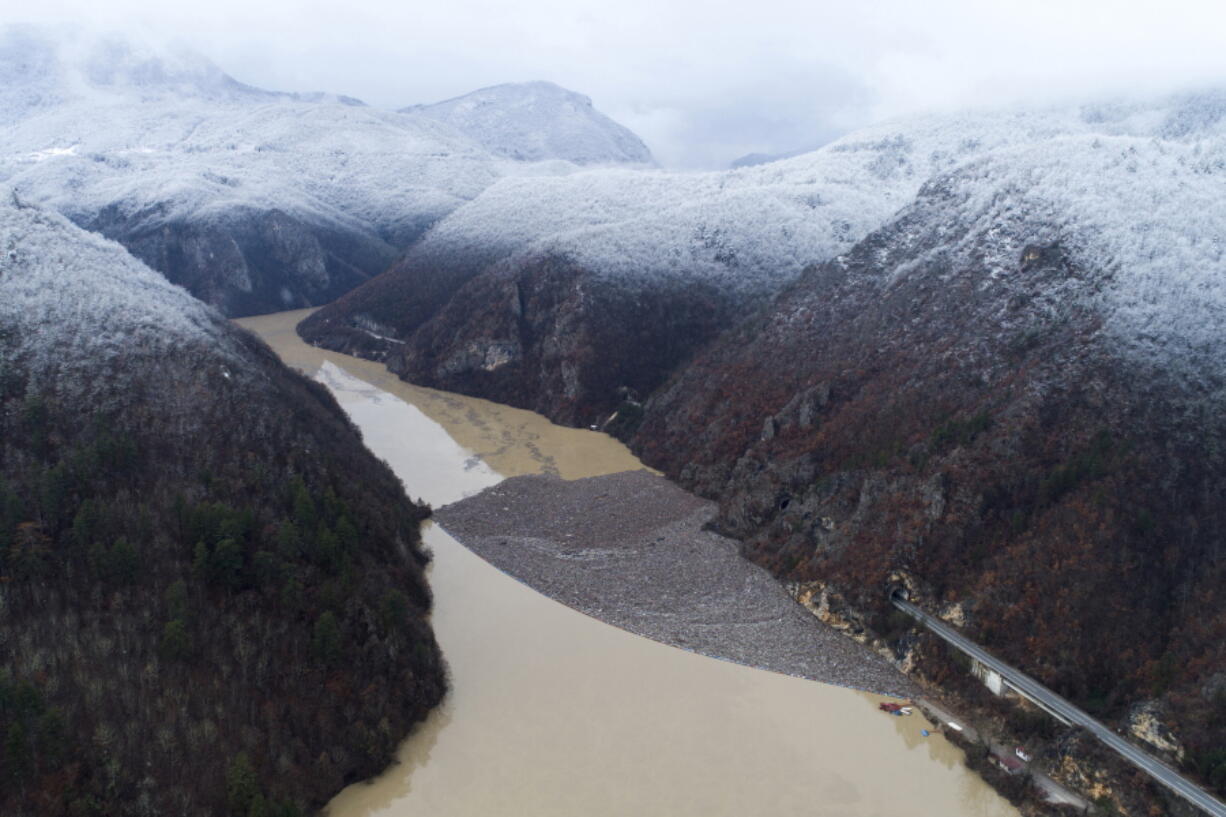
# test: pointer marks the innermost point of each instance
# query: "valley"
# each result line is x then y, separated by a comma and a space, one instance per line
965, 364
552, 712
1002, 395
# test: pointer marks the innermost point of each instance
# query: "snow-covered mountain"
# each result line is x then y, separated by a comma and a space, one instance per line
732, 239
1009, 395
253, 200
534, 121
768, 222
1107, 253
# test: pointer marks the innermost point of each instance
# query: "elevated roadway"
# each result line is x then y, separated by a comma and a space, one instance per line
1059, 707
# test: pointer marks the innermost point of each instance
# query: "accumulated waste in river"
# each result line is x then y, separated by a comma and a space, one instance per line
552, 712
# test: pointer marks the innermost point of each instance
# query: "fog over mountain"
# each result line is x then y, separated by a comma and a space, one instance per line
253, 199
701, 83
953, 323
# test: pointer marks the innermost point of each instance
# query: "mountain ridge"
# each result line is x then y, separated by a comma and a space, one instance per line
535, 121
256, 200
1006, 396
733, 237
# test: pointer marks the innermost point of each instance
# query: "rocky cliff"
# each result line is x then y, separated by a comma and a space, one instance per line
212, 598
549, 335
249, 261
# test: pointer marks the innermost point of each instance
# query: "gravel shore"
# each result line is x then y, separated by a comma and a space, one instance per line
630, 549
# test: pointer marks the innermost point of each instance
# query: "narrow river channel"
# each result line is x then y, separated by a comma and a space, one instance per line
555, 714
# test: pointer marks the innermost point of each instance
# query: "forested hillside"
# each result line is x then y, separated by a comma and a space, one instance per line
212, 597
1009, 400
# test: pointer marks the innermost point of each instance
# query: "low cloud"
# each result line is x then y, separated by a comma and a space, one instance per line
702, 82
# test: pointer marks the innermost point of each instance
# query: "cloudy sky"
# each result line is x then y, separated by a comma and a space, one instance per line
702, 81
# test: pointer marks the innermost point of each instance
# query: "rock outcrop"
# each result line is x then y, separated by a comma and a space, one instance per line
550, 336
247, 261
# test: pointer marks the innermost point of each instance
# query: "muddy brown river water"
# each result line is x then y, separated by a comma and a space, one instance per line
555, 714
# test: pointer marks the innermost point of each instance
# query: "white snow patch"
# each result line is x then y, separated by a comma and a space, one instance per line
51, 153
1145, 216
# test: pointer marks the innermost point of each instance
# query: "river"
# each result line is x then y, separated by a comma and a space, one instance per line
555, 714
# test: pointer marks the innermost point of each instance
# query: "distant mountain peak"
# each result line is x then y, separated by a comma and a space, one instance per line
538, 120
532, 93
755, 159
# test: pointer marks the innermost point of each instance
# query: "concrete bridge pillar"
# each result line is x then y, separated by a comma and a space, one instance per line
990, 677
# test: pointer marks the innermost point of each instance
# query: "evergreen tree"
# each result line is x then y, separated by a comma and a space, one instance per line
241, 785
326, 638
18, 760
